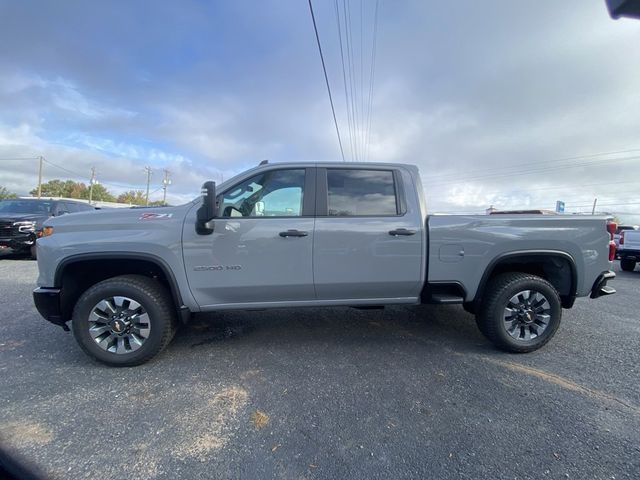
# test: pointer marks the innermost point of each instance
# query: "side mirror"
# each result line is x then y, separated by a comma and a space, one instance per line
208, 210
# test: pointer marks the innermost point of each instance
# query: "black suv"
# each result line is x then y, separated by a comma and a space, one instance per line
21, 220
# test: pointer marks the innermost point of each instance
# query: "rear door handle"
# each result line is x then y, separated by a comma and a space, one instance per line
293, 233
401, 232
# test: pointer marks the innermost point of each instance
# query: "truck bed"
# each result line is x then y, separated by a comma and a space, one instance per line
462, 248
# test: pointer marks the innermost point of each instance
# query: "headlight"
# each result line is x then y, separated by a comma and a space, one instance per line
25, 226
46, 231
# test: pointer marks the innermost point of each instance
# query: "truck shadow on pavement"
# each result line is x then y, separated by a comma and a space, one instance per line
449, 326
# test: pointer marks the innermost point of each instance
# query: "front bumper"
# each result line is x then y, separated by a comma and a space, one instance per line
600, 287
21, 242
47, 302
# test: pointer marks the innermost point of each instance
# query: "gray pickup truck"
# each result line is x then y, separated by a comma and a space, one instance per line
312, 235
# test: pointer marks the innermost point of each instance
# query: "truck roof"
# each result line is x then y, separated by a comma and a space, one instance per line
339, 164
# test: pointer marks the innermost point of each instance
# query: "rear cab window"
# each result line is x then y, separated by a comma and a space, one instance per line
362, 192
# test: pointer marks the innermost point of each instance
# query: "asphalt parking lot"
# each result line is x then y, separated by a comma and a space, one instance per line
411, 392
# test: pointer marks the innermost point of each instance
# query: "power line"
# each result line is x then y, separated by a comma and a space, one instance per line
539, 162
601, 184
79, 175
76, 174
358, 102
326, 78
362, 77
352, 75
530, 171
344, 81
371, 81
604, 205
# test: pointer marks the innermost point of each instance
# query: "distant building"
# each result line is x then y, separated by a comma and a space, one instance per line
490, 210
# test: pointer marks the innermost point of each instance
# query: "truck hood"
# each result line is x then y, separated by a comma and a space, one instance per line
119, 218
17, 217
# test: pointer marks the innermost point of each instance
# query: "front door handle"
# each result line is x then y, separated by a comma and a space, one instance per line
293, 233
401, 232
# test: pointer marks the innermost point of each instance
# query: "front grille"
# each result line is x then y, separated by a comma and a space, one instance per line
8, 230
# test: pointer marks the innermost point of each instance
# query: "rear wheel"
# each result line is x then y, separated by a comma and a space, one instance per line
627, 265
124, 321
520, 312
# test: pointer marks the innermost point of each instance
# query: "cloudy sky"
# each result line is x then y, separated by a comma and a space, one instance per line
511, 104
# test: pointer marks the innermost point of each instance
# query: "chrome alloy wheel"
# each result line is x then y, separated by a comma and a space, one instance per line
119, 325
527, 315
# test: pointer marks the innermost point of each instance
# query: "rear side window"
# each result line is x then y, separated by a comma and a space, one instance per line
82, 207
62, 208
73, 207
361, 192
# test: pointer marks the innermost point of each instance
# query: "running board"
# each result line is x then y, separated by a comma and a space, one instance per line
443, 298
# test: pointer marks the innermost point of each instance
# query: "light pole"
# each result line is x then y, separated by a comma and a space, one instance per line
148, 170
165, 183
92, 182
40, 178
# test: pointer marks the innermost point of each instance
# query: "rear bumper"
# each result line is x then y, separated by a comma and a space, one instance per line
47, 302
600, 287
630, 254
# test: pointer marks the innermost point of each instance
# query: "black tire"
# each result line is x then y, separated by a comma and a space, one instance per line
34, 252
491, 314
627, 265
153, 298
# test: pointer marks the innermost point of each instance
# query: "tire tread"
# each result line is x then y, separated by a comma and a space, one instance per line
160, 297
487, 324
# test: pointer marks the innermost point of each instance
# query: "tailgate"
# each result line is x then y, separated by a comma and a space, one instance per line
631, 240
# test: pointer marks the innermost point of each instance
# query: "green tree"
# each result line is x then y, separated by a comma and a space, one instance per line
61, 188
100, 193
73, 189
134, 197
4, 193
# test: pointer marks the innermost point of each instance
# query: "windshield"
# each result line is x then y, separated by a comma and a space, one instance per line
25, 206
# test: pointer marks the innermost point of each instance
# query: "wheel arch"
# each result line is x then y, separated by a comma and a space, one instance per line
76, 273
555, 266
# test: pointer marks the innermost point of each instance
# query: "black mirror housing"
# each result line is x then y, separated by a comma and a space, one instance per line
208, 210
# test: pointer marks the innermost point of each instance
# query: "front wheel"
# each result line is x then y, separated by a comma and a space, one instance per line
124, 321
520, 312
627, 265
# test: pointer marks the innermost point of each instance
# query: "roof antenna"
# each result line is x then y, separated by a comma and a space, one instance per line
263, 162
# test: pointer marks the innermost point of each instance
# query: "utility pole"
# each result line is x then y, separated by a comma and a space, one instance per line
148, 170
40, 177
91, 183
593, 210
165, 183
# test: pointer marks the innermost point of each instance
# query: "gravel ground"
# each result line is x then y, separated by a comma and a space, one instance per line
408, 392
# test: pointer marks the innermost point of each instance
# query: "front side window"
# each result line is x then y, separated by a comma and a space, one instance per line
276, 193
361, 192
